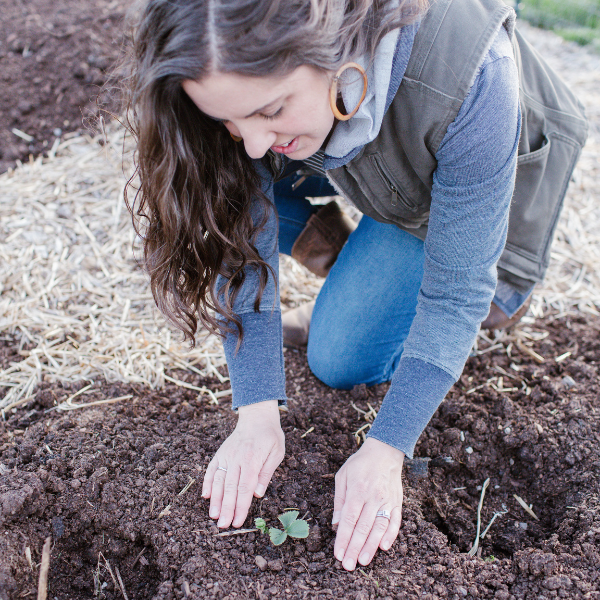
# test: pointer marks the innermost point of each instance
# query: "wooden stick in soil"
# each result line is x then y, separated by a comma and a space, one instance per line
45, 566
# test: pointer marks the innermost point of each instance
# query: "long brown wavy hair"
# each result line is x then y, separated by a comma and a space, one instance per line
196, 185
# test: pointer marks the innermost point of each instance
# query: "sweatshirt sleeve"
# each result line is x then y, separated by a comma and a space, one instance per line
256, 369
472, 190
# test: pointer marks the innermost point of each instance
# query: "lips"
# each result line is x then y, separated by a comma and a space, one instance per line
287, 148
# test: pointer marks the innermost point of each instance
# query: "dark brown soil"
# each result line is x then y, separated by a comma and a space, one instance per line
99, 481
54, 58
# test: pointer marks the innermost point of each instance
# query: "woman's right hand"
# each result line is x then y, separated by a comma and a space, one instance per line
245, 463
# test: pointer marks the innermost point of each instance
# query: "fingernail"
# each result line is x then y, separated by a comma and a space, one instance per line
336, 518
260, 490
364, 558
220, 524
339, 555
385, 546
214, 513
349, 564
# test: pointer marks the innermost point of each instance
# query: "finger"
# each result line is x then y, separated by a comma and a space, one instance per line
266, 472
391, 533
208, 477
379, 529
230, 492
360, 533
349, 520
339, 498
216, 493
246, 486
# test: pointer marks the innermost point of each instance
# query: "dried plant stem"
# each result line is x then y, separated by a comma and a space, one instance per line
484, 487
44, 567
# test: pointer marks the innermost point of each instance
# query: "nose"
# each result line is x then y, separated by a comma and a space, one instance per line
258, 138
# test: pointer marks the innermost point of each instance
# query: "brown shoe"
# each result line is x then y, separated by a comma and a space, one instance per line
497, 319
296, 324
320, 242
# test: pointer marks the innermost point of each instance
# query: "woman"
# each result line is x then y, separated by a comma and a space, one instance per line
413, 115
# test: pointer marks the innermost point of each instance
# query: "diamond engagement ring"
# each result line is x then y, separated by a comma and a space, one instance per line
384, 513
222, 469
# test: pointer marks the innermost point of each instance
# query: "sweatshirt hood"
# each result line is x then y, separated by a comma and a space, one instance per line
384, 75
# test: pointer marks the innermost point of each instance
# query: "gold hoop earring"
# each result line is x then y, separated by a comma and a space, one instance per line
333, 90
236, 138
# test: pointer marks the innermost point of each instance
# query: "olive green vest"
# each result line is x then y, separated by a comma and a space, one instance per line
391, 178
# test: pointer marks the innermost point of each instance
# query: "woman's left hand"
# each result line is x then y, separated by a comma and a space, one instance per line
370, 481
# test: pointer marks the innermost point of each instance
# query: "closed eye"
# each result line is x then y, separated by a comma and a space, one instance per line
273, 116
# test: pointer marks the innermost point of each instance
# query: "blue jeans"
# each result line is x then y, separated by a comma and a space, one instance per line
368, 301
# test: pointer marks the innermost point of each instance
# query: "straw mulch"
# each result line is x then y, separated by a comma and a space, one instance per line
79, 306
72, 292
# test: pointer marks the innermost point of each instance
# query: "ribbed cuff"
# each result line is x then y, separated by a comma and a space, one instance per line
256, 370
417, 390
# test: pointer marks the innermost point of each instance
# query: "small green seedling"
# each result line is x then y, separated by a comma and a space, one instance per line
292, 526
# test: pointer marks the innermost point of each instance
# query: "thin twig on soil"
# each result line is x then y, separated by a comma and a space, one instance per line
236, 532
525, 506
494, 517
187, 486
138, 557
532, 353
484, 487
45, 566
563, 357
307, 432
359, 410
108, 567
121, 583
68, 405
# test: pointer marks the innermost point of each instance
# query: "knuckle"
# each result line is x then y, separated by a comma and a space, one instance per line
381, 525
380, 491
264, 477
350, 518
362, 488
363, 528
243, 489
248, 456
230, 488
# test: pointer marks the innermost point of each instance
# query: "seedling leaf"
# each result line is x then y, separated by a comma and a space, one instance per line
298, 529
261, 525
277, 536
287, 518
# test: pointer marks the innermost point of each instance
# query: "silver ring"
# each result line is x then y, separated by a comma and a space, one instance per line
222, 469
385, 514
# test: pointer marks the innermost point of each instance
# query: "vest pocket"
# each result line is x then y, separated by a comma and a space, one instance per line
396, 195
541, 182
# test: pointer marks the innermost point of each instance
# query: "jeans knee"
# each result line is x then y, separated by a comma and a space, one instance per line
327, 364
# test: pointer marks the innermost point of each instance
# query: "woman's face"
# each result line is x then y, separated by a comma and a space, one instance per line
290, 115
